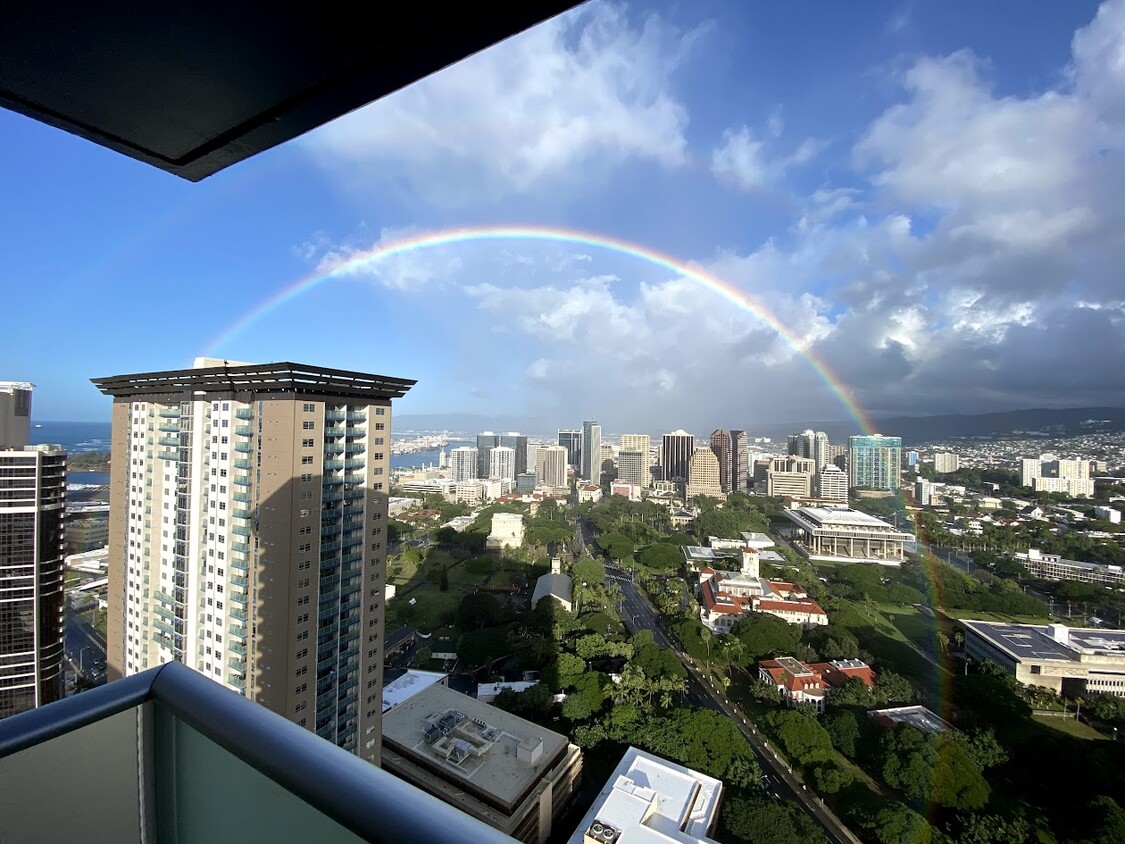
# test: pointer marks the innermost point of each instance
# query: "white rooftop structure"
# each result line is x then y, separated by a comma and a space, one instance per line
556, 585
409, 684
649, 800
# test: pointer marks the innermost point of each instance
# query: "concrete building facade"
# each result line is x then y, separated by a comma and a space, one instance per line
946, 461
839, 533
1050, 473
591, 469
249, 509
514, 775
550, 466
1076, 661
703, 475
721, 446
502, 463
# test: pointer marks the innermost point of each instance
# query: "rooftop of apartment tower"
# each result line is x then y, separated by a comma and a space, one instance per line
211, 375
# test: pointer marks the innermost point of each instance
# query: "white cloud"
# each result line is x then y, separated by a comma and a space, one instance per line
747, 162
405, 270
562, 101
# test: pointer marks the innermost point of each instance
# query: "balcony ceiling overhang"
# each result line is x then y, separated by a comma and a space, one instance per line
193, 88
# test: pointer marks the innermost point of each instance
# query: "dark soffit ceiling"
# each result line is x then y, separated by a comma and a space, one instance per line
193, 88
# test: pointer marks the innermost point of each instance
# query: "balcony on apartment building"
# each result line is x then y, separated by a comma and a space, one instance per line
171, 756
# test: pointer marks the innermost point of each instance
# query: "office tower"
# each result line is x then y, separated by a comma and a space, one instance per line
832, 483
912, 458
502, 463
632, 466
591, 469
838, 454
721, 446
525, 482
643, 444
791, 476
463, 463
946, 461
760, 472
1049, 473
518, 444
675, 453
249, 504
703, 474
486, 441
793, 445
572, 442
32, 509
550, 466
740, 460
811, 444
874, 462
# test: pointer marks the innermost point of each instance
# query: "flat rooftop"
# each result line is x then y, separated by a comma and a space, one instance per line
916, 716
681, 799
287, 377
491, 766
839, 517
1027, 642
410, 683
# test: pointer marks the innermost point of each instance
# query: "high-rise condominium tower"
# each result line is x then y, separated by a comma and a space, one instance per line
502, 463
486, 441
875, 461
721, 446
463, 463
550, 466
572, 442
641, 443
591, 452
675, 452
248, 531
740, 460
32, 507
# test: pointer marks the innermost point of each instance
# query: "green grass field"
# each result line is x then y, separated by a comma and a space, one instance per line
1070, 726
978, 615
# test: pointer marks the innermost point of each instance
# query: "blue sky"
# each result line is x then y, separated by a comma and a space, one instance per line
926, 194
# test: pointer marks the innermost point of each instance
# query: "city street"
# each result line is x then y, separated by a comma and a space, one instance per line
638, 615
85, 648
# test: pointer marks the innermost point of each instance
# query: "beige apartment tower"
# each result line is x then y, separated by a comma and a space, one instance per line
703, 474
247, 537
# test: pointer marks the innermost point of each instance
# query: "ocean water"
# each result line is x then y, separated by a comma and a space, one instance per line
94, 436
73, 436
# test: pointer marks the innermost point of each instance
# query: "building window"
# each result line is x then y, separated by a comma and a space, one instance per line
307, 546
308, 407
308, 443
306, 461
308, 425
306, 477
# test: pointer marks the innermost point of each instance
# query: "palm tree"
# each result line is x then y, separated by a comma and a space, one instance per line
943, 640
706, 635
959, 638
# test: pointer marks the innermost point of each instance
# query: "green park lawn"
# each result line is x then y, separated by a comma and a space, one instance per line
978, 615
1070, 726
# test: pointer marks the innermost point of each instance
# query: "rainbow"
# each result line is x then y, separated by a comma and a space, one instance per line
548, 234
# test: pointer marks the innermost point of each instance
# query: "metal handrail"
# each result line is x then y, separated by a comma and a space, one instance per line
364, 799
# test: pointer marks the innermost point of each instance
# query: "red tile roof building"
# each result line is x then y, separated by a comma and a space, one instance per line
725, 596
799, 682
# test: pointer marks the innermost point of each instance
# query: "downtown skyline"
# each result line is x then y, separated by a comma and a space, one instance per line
805, 167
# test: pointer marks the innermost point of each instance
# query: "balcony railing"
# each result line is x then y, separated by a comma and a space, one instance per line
171, 756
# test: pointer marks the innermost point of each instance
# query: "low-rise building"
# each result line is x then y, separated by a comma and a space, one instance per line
626, 489
589, 492
554, 585
1054, 567
1109, 514
811, 683
511, 774
649, 800
1074, 661
507, 531
840, 534
918, 717
488, 692
726, 596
